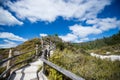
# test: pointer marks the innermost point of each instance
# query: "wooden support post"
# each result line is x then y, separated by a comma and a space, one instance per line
9, 62
36, 50
44, 57
41, 42
43, 67
48, 52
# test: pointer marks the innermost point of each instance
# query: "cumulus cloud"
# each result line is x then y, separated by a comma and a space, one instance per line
49, 10
98, 25
82, 10
73, 38
105, 23
83, 31
83, 39
68, 37
43, 35
11, 36
6, 18
8, 44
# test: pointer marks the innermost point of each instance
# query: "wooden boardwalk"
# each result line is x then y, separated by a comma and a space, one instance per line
29, 72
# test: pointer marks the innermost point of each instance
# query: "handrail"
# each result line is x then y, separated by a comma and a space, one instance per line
7, 71
5, 60
61, 70
14, 66
45, 62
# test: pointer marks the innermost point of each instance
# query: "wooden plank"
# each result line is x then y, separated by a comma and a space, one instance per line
63, 71
10, 55
9, 63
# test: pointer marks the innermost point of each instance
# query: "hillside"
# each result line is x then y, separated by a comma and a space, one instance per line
76, 57
28, 45
102, 46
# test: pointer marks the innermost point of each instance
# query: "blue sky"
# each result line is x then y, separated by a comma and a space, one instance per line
73, 20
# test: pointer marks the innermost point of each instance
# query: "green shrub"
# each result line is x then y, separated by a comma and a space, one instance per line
88, 67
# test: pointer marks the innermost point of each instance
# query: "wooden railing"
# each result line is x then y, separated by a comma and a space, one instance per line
10, 66
44, 57
11, 57
61, 70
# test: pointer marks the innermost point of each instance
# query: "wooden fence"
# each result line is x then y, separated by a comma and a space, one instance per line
10, 66
45, 62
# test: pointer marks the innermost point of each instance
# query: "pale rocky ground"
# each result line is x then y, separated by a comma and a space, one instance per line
110, 57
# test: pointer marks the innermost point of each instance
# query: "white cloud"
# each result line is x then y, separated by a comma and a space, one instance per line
49, 10
73, 38
108, 23
98, 26
11, 36
83, 31
105, 23
83, 39
43, 35
8, 44
92, 21
68, 37
83, 10
6, 18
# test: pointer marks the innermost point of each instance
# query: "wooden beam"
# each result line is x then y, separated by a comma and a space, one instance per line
10, 55
61, 70
36, 50
9, 62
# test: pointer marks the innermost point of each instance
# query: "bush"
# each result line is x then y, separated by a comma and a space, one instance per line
86, 66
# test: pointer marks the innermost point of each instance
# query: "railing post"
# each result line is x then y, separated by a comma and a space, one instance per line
48, 52
9, 62
44, 57
36, 50
41, 42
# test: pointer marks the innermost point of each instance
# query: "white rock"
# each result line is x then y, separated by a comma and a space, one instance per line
111, 57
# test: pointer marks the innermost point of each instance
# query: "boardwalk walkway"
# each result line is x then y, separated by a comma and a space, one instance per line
35, 70
29, 72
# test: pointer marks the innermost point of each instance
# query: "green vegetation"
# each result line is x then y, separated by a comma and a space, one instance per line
75, 57
101, 46
28, 45
2, 69
55, 75
99, 43
3, 53
113, 49
86, 66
